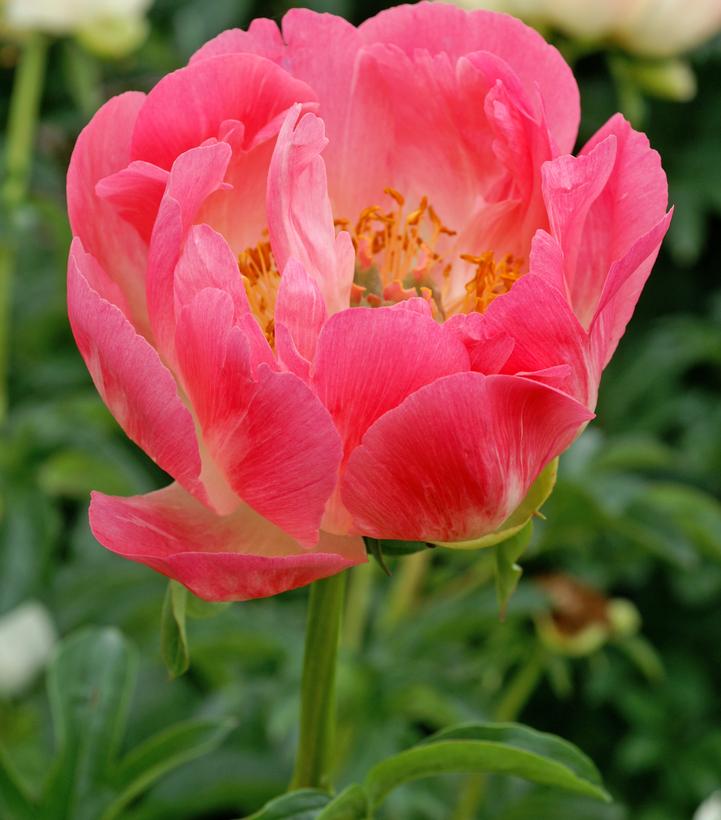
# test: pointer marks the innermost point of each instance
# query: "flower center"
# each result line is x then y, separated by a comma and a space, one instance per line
400, 253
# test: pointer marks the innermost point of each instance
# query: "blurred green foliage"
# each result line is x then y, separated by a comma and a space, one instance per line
636, 514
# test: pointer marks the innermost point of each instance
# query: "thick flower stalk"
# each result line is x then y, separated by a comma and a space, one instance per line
344, 282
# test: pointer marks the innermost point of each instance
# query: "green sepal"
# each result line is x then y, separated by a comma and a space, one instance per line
173, 637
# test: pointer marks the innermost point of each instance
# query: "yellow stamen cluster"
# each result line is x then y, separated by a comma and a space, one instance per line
398, 255
397, 251
491, 279
261, 279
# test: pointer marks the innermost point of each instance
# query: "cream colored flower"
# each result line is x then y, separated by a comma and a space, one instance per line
27, 637
110, 28
653, 28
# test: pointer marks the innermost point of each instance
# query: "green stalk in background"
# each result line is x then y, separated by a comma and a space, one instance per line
19, 145
317, 698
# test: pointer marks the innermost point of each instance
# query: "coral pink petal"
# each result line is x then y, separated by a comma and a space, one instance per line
135, 192
369, 359
103, 149
135, 385
438, 27
570, 187
262, 38
456, 457
231, 558
301, 312
300, 218
282, 455
189, 106
622, 290
195, 175
546, 333
632, 203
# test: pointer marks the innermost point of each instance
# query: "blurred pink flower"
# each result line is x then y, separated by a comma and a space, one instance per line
346, 281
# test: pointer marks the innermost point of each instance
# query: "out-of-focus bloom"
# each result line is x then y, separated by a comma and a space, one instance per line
27, 637
710, 809
356, 289
581, 620
110, 28
653, 28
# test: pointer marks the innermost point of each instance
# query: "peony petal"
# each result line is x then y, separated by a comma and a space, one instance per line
546, 333
282, 456
300, 218
135, 193
103, 149
262, 38
369, 359
300, 313
189, 106
131, 379
195, 175
622, 289
231, 558
570, 187
456, 457
632, 203
437, 27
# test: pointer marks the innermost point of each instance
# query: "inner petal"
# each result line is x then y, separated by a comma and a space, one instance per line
402, 251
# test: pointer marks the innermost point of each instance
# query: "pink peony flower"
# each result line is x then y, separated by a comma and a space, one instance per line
344, 281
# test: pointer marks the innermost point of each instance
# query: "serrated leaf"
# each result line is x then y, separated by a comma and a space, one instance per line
535, 498
162, 753
173, 637
508, 572
487, 748
303, 804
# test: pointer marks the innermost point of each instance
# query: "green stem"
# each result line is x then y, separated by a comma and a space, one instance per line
360, 592
22, 118
19, 143
317, 698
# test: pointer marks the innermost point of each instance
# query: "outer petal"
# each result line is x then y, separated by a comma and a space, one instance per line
272, 439
570, 187
131, 379
437, 27
190, 105
456, 457
263, 38
369, 359
233, 558
631, 204
300, 218
102, 149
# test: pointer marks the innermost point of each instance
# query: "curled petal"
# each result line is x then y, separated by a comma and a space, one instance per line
135, 385
231, 558
456, 457
300, 218
103, 149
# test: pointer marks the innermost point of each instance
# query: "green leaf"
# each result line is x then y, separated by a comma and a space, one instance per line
508, 572
90, 681
173, 638
535, 498
162, 753
14, 803
500, 748
303, 804
350, 804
